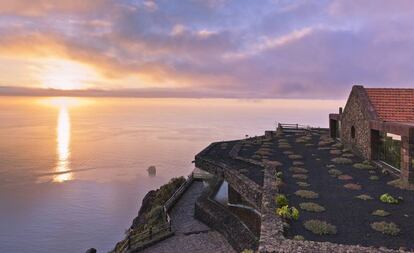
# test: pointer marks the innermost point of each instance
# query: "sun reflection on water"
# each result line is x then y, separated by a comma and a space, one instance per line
63, 146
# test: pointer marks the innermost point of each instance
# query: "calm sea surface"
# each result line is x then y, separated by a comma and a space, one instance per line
73, 170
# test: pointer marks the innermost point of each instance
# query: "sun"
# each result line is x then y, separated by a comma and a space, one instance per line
63, 74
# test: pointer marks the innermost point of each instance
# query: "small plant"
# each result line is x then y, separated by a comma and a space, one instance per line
320, 227
247, 251
364, 197
334, 172
363, 166
281, 200
345, 177
295, 157
347, 155
302, 184
287, 152
298, 238
331, 166
353, 186
298, 170
307, 194
387, 228
374, 178
279, 174
311, 207
381, 213
341, 160
300, 176
289, 213
387, 198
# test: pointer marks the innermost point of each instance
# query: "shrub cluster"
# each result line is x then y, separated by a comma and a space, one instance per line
281, 200
286, 212
307, 194
387, 198
320, 227
387, 228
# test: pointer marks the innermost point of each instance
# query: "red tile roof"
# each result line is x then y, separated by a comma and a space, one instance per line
393, 104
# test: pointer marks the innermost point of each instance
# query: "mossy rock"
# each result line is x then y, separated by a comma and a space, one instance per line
307, 194
363, 166
381, 213
341, 160
311, 207
319, 227
335, 172
300, 176
364, 197
387, 228
298, 170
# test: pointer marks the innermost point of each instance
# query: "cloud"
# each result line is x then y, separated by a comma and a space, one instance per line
245, 48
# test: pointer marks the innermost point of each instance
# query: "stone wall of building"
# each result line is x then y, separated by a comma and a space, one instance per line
354, 115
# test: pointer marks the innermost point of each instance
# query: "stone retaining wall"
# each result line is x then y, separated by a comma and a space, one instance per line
250, 191
219, 218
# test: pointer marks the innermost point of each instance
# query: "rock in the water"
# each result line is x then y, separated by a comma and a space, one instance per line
152, 170
91, 250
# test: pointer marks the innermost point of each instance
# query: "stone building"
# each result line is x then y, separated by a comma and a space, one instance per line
378, 124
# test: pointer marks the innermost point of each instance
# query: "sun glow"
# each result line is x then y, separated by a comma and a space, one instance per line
66, 75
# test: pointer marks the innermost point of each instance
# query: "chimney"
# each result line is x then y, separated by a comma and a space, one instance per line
340, 110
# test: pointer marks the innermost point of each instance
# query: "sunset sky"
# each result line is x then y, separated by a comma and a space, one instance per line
207, 48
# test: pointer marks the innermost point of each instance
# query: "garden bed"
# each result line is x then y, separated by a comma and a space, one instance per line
337, 194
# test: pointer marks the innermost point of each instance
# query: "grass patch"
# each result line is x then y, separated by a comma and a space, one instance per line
364, 197
294, 157
298, 170
311, 207
381, 213
302, 184
374, 178
341, 160
387, 228
363, 166
300, 176
335, 152
353, 186
298, 238
335, 172
320, 227
307, 194
345, 177
297, 163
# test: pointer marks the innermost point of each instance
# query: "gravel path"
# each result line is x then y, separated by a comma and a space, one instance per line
190, 234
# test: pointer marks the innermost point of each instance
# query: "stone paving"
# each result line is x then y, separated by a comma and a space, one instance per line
190, 234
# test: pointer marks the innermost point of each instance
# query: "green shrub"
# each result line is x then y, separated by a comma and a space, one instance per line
387, 198
311, 207
320, 227
387, 228
381, 213
281, 200
374, 178
341, 160
364, 197
247, 251
298, 170
363, 166
286, 212
279, 174
307, 194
